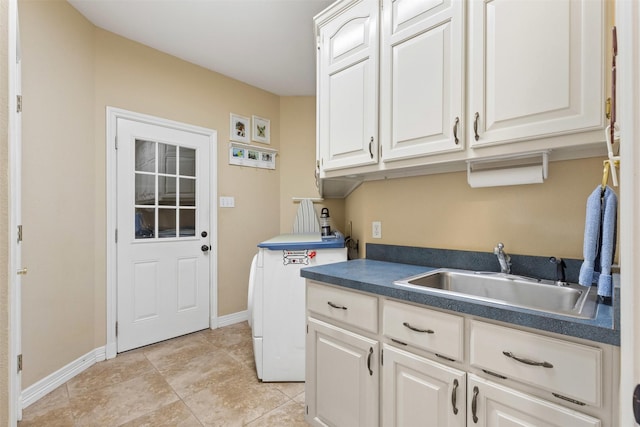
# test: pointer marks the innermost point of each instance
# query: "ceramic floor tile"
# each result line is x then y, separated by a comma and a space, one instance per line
119, 403
234, 403
122, 368
290, 389
177, 350
173, 415
200, 372
290, 414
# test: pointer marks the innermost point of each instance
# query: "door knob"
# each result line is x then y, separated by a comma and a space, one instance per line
205, 248
22, 271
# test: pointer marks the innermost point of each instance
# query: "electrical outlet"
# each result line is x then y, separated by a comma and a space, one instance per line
227, 202
376, 229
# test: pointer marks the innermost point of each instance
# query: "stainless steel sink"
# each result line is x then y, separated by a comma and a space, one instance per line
534, 294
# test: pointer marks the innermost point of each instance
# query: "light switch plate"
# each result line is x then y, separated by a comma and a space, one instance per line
227, 202
376, 229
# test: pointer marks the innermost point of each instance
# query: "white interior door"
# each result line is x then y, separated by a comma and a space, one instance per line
163, 233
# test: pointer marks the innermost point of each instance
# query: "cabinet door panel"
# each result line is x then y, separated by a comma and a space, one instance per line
348, 88
343, 370
421, 77
418, 391
535, 68
496, 405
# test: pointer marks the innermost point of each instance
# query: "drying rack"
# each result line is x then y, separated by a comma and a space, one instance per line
612, 163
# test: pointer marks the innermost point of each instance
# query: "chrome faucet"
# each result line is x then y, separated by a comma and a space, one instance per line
560, 273
503, 258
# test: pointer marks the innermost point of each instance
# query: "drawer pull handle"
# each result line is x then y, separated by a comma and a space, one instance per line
455, 130
413, 328
474, 405
475, 126
370, 146
527, 361
340, 307
454, 394
369, 360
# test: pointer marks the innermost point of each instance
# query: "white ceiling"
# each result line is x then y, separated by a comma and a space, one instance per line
268, 44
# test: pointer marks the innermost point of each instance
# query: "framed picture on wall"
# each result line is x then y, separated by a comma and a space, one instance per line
239, 128
261, 131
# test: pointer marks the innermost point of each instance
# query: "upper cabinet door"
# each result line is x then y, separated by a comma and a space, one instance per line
347, 86
421, 77
535, 69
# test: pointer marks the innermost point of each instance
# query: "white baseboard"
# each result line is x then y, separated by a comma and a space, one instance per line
46, 385
230, 319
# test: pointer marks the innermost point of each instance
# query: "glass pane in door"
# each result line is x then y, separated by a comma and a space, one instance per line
166, 158
145, 156
145, 189
166, 223
187, 161
187, 222
145, 222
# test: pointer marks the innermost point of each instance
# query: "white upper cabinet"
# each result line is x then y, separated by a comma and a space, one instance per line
535, 69
421, 77
348, 85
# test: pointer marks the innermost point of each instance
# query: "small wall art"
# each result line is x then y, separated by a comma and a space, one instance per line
261, 130
252, 156
239, 129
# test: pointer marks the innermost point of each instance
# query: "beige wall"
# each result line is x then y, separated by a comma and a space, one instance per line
297, 162
4, 219
59, 187
71, 72
442, 211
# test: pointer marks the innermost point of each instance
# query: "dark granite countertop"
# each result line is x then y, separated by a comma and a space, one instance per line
377, 277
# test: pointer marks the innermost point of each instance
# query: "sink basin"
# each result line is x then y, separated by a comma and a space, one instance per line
534, 294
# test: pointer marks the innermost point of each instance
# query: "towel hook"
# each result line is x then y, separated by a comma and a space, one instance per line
605, 174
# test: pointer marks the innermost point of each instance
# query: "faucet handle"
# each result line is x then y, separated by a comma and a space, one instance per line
499, 247
560, 273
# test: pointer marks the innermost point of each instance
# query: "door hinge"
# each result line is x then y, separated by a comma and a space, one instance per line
19, 239
382, 357
307, 328
19, 103
116, 329
19, 363
116, 142
116, 235
307, 406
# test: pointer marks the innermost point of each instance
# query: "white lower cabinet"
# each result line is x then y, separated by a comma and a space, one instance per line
372, 361
490, 404
342, 377
420, 392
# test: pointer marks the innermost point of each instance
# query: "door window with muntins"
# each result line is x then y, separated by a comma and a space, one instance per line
165, 190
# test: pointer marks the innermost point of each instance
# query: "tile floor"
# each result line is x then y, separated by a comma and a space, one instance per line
206, 378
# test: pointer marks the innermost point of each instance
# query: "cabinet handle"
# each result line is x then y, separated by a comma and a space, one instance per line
454, 394
474, 405
527, 361
475, 125
370, 147
340, 307
413, 328
369, 360
455, 130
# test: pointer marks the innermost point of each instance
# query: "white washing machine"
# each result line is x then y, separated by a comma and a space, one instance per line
276, 300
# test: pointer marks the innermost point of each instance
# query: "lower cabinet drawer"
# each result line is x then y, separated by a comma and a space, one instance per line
352, 308
431, 330
571, 370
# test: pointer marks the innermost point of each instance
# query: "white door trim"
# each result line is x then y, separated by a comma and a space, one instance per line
113, 114
15, 200
628, 94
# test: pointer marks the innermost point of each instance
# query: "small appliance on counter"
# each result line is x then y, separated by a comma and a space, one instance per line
276, 302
